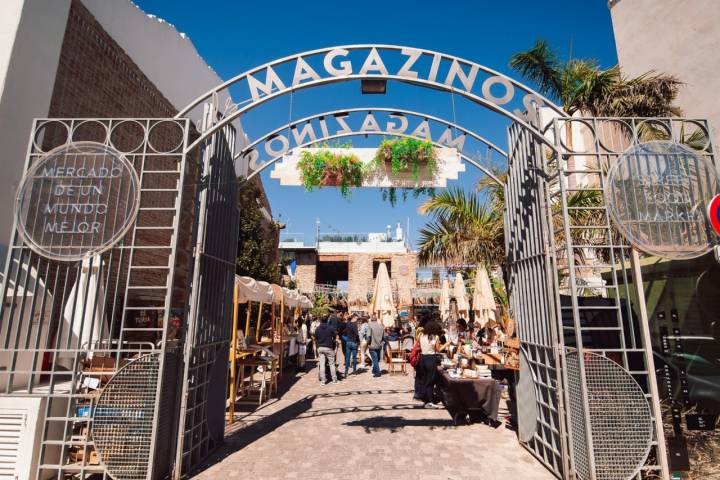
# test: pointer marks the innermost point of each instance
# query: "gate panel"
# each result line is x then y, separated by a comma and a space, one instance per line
202, 415
532, 290
67, 327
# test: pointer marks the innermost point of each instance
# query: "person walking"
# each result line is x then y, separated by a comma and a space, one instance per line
326, 339
302, 340
364, 337
426, 370
313, 327
375, 344
351, 345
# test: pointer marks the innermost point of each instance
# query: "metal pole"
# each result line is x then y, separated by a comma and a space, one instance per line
649, 362
257, 330
233, 355
247, 318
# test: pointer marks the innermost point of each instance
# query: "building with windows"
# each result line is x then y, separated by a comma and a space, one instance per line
348, 263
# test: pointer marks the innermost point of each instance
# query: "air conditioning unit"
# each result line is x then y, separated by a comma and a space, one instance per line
21, 423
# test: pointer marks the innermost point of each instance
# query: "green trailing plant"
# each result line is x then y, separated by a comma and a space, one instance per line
325, 167
405, 154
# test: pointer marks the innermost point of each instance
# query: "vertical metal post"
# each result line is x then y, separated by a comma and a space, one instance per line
233, 354
577, 326
649, 362
259, 318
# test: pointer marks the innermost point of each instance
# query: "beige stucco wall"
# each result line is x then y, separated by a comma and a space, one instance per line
679, 37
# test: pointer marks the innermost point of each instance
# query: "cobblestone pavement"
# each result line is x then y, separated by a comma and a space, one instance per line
365, 428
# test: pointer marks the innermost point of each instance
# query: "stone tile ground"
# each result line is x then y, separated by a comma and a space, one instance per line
365, 428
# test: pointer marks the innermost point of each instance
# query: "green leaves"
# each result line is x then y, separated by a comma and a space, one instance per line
406, 153
581, 85
466, 228
328, 168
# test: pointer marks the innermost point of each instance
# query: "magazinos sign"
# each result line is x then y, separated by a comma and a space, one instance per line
657, 194
77, 201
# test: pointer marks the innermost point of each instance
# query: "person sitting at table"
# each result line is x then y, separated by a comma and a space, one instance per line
426, 370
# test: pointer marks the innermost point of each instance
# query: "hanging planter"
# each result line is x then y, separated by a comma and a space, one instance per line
408, 155
326, 168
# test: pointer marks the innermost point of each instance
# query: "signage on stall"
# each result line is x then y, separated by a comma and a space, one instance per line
77, 201
714, 213
656, 195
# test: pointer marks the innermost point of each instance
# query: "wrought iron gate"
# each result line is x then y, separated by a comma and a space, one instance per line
122, 343
588, 396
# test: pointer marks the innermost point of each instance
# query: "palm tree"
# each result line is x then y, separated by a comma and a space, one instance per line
466, 228
582, 86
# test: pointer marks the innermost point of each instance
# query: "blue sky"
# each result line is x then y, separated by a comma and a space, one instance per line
233, 36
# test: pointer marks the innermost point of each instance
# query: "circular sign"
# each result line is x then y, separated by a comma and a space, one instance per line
714, 213
77, 201
656, 194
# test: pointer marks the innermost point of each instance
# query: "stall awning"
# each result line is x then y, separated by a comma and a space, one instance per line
251, 290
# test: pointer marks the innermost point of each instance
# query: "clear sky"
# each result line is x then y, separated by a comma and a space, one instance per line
233, 36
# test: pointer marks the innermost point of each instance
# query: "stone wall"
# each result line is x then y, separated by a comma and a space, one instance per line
305, 270
360, 276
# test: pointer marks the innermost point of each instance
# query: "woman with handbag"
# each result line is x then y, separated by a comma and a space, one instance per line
426, 364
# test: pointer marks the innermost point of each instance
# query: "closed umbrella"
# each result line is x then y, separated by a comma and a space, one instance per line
382, 302
460, 295
84, 309
483, 299
445, 300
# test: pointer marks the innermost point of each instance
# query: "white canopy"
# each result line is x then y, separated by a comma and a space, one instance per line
291, 298
483, 299
305, 302
252, 290
445, 300
382, 302
460, 295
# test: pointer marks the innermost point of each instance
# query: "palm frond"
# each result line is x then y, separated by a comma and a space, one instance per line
541, 65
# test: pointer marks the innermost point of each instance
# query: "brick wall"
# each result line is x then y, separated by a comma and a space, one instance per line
306, 270
361, 282
96, 78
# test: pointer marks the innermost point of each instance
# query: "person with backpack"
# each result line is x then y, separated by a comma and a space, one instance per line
375, 344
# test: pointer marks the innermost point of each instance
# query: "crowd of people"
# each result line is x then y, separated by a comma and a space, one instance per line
366, 338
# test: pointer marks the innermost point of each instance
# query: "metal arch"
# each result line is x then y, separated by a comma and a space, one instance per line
336, 79
361, 46
354, 134
475, 98
480, 138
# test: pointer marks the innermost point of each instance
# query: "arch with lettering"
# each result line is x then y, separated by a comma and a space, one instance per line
486, 87
351, 122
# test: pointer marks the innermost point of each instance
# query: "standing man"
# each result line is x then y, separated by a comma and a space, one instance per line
302, 340
351, 349
375, 344
326, 340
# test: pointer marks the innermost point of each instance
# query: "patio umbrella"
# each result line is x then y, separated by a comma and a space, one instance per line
382, 304
460, 295
84, 309
483, 299
445, 300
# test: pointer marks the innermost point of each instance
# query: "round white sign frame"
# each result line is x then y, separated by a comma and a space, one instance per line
656, 194
75, 179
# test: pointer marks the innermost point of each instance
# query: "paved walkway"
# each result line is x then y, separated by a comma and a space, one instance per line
366, 428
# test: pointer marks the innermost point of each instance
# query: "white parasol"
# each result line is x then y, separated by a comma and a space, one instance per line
483, 299
84, 310
445, 300
460, 295
382, 302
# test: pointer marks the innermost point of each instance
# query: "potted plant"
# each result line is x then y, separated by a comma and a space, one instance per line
330, 168
407, 154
